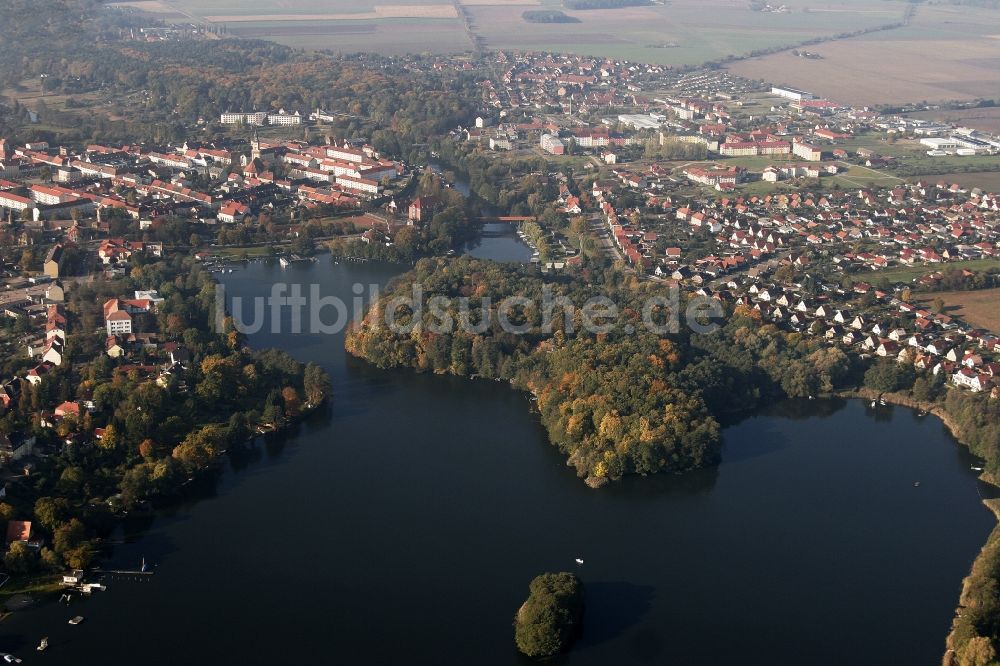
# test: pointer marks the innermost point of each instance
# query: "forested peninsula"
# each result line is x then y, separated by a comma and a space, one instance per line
625, 401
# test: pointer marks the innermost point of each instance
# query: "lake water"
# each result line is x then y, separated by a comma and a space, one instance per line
499, 241
403, 527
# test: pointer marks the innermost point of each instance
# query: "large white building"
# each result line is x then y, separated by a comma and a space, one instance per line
257, 118
50, 196
791, 93
641, 121
936, 143
119, 322
284, 118
346, 154
552, 144
14, 201
807, 151
358, 184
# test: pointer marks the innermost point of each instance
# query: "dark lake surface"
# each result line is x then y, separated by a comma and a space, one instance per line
499, 242
403, 526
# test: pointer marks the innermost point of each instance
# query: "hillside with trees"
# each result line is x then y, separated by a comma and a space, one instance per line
187, 80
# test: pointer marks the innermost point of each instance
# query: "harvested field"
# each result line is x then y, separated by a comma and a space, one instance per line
947, 53
381, 12
147, 6
153, 8
388, 36
697, 30
980, 308
986, 119
500, 3
292, 30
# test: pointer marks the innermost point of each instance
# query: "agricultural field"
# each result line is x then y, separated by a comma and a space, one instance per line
155, 9
910, 273
679, 32
980, 308
395, 36
386, 26
946, 53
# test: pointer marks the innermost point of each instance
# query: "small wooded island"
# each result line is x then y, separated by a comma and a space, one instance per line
549, 620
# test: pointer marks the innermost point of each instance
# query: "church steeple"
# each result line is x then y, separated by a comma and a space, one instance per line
255, 146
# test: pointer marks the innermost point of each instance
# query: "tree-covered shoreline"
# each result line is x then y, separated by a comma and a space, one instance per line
628, 401
144, 430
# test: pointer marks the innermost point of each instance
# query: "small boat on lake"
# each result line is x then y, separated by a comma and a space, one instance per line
76, 620
284, 262
43, 645
579, 561
977, 469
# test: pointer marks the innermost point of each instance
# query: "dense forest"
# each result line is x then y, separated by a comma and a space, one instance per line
976, 420
156, 91
625, 401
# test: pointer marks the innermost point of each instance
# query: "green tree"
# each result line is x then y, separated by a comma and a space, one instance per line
68, 536
316, 384
549, 620
49, 512
886, 376
20, 558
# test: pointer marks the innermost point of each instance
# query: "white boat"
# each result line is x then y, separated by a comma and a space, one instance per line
284, 262
977, 469
11, 659
43, 645
873, 404
881, 401
579, 561
76, 620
